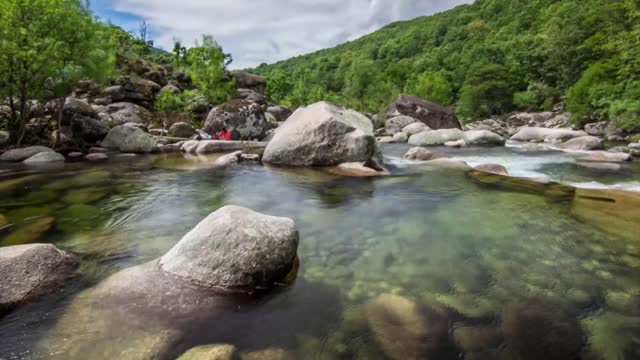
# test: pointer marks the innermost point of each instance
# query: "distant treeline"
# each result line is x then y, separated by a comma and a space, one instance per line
485, 59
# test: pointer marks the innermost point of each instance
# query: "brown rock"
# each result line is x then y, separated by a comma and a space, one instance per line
492, 168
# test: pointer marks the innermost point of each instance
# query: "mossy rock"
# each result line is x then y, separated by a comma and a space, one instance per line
29, 233
84, 179
86, 195
78, 217
551, 190
33, 198
610, 336
8, 185
4, 221
24, 215
613, 211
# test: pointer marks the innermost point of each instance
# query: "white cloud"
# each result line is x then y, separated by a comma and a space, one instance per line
257, 31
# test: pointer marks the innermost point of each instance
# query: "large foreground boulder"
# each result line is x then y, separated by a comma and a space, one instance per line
129, 139
23, 153
30, 271
433, 115
235, 249
323, 134
245, 119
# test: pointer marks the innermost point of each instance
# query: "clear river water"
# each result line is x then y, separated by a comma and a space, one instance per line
509, 274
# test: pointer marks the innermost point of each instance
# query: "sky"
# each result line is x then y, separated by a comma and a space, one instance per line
263, 31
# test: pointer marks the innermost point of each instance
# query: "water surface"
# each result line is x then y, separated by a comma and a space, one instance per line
512, 275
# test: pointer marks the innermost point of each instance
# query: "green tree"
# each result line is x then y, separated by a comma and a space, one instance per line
279, 86
431, 86
361, 79
207, 65
46, 46
487, 91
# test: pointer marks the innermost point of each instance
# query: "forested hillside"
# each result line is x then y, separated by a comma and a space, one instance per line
485, 59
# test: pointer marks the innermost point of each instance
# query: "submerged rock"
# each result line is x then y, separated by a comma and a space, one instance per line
356, 169
210, 352
235, 249
493, 168
219, 146
30, 271
613, 211
23, 153
431, 114
551, 190
29, 233
537, 332
228, 159
129, 139
403, 330
604, 156
419, 153
323, 134
475, 339
269, 354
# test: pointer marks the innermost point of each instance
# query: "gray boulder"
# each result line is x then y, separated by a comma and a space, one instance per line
323, 134
182, 130
250, 81
250, 95
139, 91
129, 139
30, 271
433, 115
23, 153
583, 143
400, 137
88, 129
281, 113
74, 107
538, 134
235, 249
397, 123
124, 112
482, 137
245, 119
415, 128
436, 137
96, 157
44, 158
596, 129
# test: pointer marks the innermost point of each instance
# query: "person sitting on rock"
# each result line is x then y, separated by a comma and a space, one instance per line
224, 134
200, 135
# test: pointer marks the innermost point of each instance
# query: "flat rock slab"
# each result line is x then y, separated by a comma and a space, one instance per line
613, 211
219, 146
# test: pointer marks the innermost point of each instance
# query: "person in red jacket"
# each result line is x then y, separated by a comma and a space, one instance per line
224, 134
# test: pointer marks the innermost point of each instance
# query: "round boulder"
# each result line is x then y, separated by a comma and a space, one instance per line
124, 112
129, 139
583, 143
235, 249
397, 123
419, 153
245, 119
323, 134
181, 130
436, 137
29, 271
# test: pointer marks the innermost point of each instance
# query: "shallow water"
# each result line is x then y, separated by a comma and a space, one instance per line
511, 275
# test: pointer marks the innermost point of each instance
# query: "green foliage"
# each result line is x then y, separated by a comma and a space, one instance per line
431, 86
495, 55
170, 102
207, 65
46, 47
